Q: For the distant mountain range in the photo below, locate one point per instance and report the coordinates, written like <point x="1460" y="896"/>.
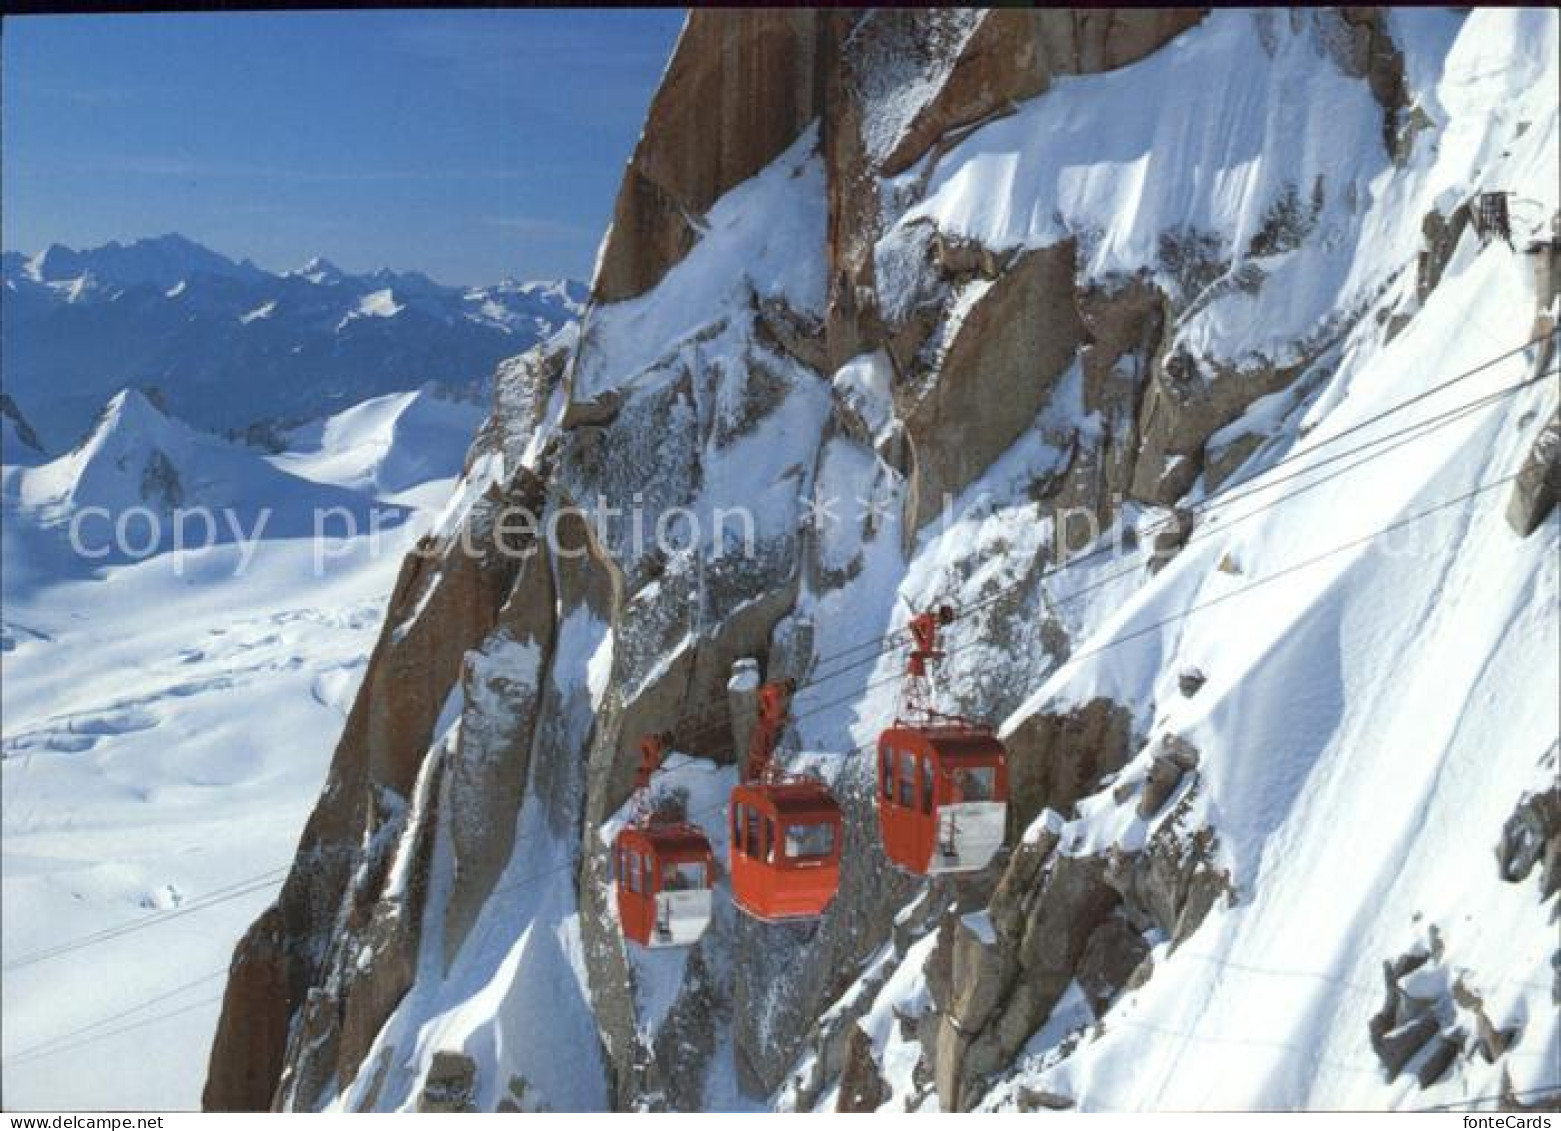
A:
<point x="230" y="345"/>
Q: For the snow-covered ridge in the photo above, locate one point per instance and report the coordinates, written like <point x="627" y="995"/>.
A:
<point x="229" y="344"/>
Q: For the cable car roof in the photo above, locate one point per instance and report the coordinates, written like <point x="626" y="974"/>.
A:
<point x="800" y="797"/>
<point x="951" y="745"/>
<point x="678" y="842"/>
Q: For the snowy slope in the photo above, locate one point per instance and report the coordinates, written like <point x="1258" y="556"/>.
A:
<point x="1092" y="160"/>
<point x="1369" y="726"/>
<point x="153" y="762"/>
<point x="385" y="444"/>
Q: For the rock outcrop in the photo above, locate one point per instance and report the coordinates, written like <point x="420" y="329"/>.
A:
<point x="1538" y="485"/>
<point x="739" y="89"/>
<point x="1532" y="838"/>
<point x="1060" y="757"/>
<point x="1010" y="965"/>
<point x="450" y="1085"/>
<point x="1001" y="367"/>
<point x="861" y="1086"/>
<point x="1432" y="1017"/>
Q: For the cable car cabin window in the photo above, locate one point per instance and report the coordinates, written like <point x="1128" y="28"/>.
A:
<point x="751" y="833"/>
<point x="770" y="841"/>
<point x="689" y="876"/>
<point x="810" y="842"/>
<point x="926" y="785"/>
<point x="976" y="783"/>
<point x="633" y="869"/>
<point x="907" y="778"/>
<point x="886" y="772"/>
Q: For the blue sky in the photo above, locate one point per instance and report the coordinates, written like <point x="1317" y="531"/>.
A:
<point x="467" y="144"/>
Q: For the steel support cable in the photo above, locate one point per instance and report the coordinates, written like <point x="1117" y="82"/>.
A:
<point x="242" y="887"/>
<point x="1409" y="433"/>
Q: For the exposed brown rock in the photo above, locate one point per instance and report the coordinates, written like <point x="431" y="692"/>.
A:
<point x="793" y="334"/>
<point x="1056" y="758"/>
<point x="1126" y="329"/>
<point x="1444" y="1050"/>
<point x="242" y="1073"/>
<point x="1175" y="759"/>
<point x="1190" y="681"/>
<point x="830" y="1038"/>
<point x="1031" y="1100"/>
<point x="379" y="960"/>
<point x="1112" y="956"/>
<point x="1187" y="402"/>
<point x="1173" y="882"/>
<point x="1420" y="1027"/>
<point x="1489" y="1041"/>
<point x="1014" y="54"/>
<point x="1224" y="461"/>
<point x="1545" y="257"/>
<point x="1532" y="836"/>
<point x="451" y="1084"/>
<point x="977" y="68"/>
<point x="1538" y="485"/>
<point x="1002" y="992"/>
<point x="598" y="412"/>
<point x="862" y="1088"/>
<point x="1000" y="369"/>
<point x="1440" y="235"/>
<point x="1397" y="1046"/>
<point x="853" y="221"/>
<point x="1372" y="54"/>
<point x="739" y="89"/>
<point x="1169" y="536"/>
<point x="963" y="260"/>
<point x="521" y="388"/>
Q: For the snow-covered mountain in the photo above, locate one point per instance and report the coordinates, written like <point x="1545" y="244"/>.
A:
<point x="1182" y="353"/>
<point x="168" y="713"/>
<point x="919" y="289"/>
<point x="229" y="345"/>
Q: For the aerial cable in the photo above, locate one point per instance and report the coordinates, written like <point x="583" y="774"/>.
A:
<point x="1114" y="642"/>
<point x="1413" y="431"/>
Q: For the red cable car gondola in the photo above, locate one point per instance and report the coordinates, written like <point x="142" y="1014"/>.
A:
<point x="786" y="831"/>
<point x="942" y="779"/>
<point x="663" y="869"/>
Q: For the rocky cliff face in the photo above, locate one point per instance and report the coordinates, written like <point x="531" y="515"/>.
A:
<point x="935" y="303"/>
